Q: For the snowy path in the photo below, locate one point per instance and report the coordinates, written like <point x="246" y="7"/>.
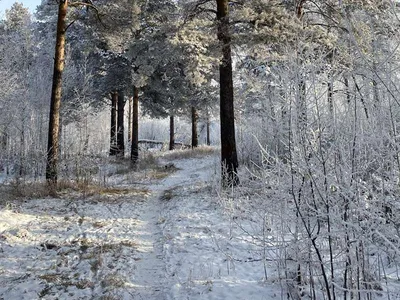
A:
<point x="150" y="280"/>
<point x="169" y="240"/>
<point x="151" y="277"/>
<point x="110" y="244"/>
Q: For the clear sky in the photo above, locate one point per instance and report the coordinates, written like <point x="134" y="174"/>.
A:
<point x="6" y="4"/>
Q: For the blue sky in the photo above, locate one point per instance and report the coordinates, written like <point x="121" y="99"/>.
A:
<point x="6" y="4"/>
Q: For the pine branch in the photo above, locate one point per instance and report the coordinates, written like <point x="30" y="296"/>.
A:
<point x="89" y="5"/>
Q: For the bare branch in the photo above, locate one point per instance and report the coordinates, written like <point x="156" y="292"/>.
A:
<point x="91" y="6"/>
<point x="70" y="24"/>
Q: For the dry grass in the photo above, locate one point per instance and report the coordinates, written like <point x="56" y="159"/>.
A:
<point x="34" y="190"/>
<point x="116" y="195"/>
<point x="99" y="224"/>
<point x="51" y="278"/>
<point x="113" y="281"/>
<point x="93" y="248"/>
<point x="189" y="153"/>
<point x="88" y="249"/>
<point x="169" y="194"/>
<point x="147" y="160"/>
<point x="124" y="191"/>
<point x="129" y="243"/>
<point x="146" y="169"/>
<point x="149" y="170"/>
<point x="159" y="173"/>
<point x="18" y="190"/>
<point x="67" y="188"/>
<point x="63" y="280"/>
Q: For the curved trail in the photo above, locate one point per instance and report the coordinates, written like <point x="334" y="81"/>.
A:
<point x="151" y="279"/>
<point x="112" y="244"/>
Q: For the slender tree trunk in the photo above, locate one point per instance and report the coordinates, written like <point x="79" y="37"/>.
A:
<point x="3" y="148"/>
<point x="54" y="119"/>
<point x="135" y="126"/>
<point x="195" y="138"/>
<point x="130" y="101"/>
<point x="120" y="125"/>
<point x="347" y="89"/>
<point x="113" y="127"/>
<point x="375" y="85"/>
<point x="87" y="136"/>
<point x="208" y="141"/>
<point x="330" y="85"/>
<point x="302" y="106"/>
<point x="229" y="161"/>
<point x="62" y="144"/>
<point x="22" y="152"/>
<point x="330" y="96"/>
<point x="171" y="133"/>
<point x="3" y="143"/>
<point x="302" y="88"/>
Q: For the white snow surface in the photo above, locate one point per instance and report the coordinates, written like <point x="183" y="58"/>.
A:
<point x="169" y="239"/>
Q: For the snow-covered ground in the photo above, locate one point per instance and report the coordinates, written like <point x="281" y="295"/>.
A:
<point x="204" y="258"/>
<point x="166" y="238"/>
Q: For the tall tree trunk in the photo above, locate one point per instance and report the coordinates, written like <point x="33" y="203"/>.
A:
<point x="3" y="147"/>
<point x="302" y="88"/>
<point x="375" y="76"/>
<point x="22" y="154"/>
<point x="54" y="119"/>
<point x="347" y="89"/>
<point x="171" y="133"/>
<point x="86" y="136"/>
<point x="229" y="161"/>
<point x="375" y="85"/>
<point x="208" y="141"/>
<point x="120" y="125"/>
<point x="113" y="127"/>
<point x="330" y="96"/>
<point x="195" y="138"/>
<point x="130" y="101"/>
<point x="135" y="126"/>
<point x="3" y="142"/>
<point x="330" y="58"/>
<point x="62" y="144"/>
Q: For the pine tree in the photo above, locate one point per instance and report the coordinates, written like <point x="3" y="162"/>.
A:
<point x="54" y="118"/>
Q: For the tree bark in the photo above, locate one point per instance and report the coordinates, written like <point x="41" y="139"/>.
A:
<point x="195" y="137"/>
<point x="347" y="89"/>
<point x="113" y="127"/>
<point x="302" y="105"/>
<point x="135" y="126"/>
<point x="130" y="102"/>
<point x="229" y="161"/>
<point x="120" y="125"/>
<point x="208" y="141"/>
<point x="330" y="96"/>
<point x="330" y="83"/>
<point x="171" y="133"/>
<point x="54" y="118"/>
<point x="302" y="88"/>
<point x="3" y="141"/>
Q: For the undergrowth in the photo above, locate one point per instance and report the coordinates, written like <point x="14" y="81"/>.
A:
<point x="200" y="151"/>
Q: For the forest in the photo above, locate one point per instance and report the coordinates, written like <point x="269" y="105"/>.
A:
<point x="200" y="149"/>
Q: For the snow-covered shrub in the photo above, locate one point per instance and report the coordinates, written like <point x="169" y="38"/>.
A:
<point x="320" y="198"/>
